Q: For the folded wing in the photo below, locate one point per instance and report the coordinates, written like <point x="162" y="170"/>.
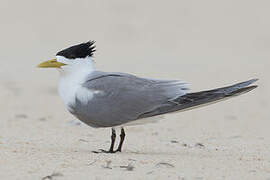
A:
<point x="122" y="98"/>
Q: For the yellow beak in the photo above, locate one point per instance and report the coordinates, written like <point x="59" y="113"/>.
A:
<point x="51" y="64"/>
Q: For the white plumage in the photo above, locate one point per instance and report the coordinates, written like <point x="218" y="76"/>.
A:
<point x="71" y="79"/>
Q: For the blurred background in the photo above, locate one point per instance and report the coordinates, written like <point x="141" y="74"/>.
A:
<point x="193" y="40"/>
<point x="208" y="43"/>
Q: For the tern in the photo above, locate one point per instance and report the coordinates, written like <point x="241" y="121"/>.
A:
<point x="112" y="99"/>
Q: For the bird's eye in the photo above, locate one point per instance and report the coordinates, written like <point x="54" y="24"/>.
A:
<point x="72" y="57"/>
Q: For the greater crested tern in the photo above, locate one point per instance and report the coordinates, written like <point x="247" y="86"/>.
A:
<point x="112" y="99"/>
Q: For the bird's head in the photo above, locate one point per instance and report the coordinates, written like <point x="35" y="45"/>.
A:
<point x="74" y="58"/>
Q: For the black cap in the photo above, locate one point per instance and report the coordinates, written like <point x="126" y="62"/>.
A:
<point x="79" y="51"/>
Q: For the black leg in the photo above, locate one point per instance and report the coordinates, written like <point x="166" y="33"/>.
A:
<point x="113" y="136"/>
<point x="122" y="138"/>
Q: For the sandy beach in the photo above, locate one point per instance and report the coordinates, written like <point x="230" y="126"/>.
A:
<point x="206" y="43"/>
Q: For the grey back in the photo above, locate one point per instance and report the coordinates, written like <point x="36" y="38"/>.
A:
<point x="124" y="98"/>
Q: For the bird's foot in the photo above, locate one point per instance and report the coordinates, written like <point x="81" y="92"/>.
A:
<point x="106" y="151"/>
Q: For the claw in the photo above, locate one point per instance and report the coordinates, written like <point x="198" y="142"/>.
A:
<point x="105" y="151"/>
<point x="113" y="136"/>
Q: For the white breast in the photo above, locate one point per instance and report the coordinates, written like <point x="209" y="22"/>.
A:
<point x="67" y="89"/>
<point x="70" y="84"/>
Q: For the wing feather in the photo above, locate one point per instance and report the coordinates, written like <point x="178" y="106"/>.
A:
<point x="124" y="98"/>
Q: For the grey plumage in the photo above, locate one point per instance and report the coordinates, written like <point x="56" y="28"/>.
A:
<point x="101" y="99"/>
<point x="124" y="98"/>
<point x="198" y="99"/>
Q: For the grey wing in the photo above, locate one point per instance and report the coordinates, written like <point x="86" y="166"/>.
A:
<point x="122" y="98"/>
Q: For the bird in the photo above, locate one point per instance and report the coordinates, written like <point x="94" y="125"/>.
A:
<point x="116" y="100"/>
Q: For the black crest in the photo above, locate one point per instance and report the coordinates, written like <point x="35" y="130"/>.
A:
<point x="79" y="51"/>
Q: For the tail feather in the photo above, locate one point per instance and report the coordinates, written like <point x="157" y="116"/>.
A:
<point x="234" y="87"/>
<point x="202" y="98"/>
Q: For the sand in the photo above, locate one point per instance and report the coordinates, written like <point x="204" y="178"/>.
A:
<point x="206" y="43"/>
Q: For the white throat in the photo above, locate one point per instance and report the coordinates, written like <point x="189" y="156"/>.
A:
<point x="72" y="76"/>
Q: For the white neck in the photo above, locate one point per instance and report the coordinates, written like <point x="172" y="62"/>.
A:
<point x="72" y="76"/>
